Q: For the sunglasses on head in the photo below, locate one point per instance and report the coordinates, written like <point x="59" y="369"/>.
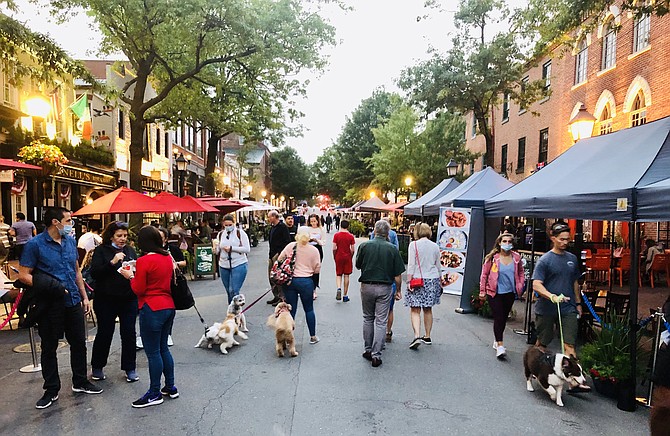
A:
<point x="560" y="228"/>
<point x="121" y="225"/>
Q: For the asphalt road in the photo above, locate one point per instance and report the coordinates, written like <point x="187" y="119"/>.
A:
<point x="455" y="386"/>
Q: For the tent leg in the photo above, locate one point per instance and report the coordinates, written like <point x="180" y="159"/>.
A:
<point x="628" y="403"/>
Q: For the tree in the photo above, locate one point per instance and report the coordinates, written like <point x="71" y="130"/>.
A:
<point x="169" y="43"/>
<point x="323" y="179"/>
<point x="356" y="144"/>
<point x="290" y="174"/>
<point x="475" y="74"/>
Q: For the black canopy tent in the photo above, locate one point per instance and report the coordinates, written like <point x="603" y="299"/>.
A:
<point x="653" y="202"/>
<point x="600" y="178"/>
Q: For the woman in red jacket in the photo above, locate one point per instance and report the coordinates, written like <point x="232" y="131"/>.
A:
<point x="151" y="282"/>
<point x="502" y="277"/>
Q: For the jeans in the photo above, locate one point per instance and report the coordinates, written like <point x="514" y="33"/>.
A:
<point x="375" y="301"/>
<point x="302" y="287"/>
<point x="106" y="310"/>
<point x="51" y="325"/>
<point x="155" y="327"/>
<point x="233" y="279"/>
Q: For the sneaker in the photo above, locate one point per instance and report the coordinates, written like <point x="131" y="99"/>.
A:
<point x="415" y="344"/>
<point x="338" y="296"/>
<point x="376" y="361"/>
<point x="501" y="352"/>
<point x="148" y="399"/>
<point x="314" y="340"/>
<point x="345" y="298"/>
<point x="427" y="340"/>
<point x="97" y="374"/>
<point x="495" y="345"/>
<point x="87" y="388"/>
<point x="389" y="336"/>
<point x="367" y="356"/>
<point x="170" y="343"/>
<point x="138" y="343"/>
<point x="170" y="392"/>
<point x="46" y="401"/>
<point x="131" y="376"/>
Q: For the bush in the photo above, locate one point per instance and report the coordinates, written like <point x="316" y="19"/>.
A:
<point x="357" y="228"/>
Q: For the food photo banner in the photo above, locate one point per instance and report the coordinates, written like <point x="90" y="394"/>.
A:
<point x="453" y="234"/>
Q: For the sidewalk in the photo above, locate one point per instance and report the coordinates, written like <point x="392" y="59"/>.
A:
<point x="455" y="386"/>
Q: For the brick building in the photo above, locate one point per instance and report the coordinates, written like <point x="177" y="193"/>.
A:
<point x="620" y="71"/>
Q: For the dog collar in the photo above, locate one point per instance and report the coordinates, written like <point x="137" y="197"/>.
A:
<point x="283" y="309"/>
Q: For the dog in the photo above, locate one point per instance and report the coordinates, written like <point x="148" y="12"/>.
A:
<point x="235" y="307"/>
<point x="282" y="322"/>
<point x="552" y="371"/>
<point x="222" y="334"/>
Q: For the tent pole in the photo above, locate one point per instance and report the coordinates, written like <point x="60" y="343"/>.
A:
<point x="609" y="273"/>
<point x="529" y="290"/>
<point x="629" y="403"/>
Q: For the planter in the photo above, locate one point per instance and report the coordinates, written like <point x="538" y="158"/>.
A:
<point x="606" y="387"/>
<point x="626" y="396"/>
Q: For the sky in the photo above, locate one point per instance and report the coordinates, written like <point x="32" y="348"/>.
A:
<point x="376" y="41"/>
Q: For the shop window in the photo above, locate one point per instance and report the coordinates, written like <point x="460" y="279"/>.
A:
<point x="641" y="32"/>
<point x="638" y="115"/>
<point x="580" y="61"/>
<point x="609" y="47"/>
<point x="178" y="138"/>
<point x="503" y="159"/>
<point x="473" y="133"/>
<point x="121" y="126"/>
<point x="605" y="121"/>
<point x="505" y="107"/>
<point x="544" y="146"/>
<point x="521" y="155"/>
<point x="546" y="75"/>
<point x="158" y="142"/>
<point x="8" y="91"/>
<point x="167" y="144"/>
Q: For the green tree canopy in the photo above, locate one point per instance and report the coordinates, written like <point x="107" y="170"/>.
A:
<point x="323" y="175"/>
<point x="290" y="174"/>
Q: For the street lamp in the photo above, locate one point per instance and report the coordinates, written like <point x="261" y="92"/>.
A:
<point x="264" y="194"/>
<point x="373" y="194"/>
<point x="226" y="181"/>
<point x="581" y="125"/>
<point x="282" y="200"/>
<point x="408" y="183"/>
<point x="35" y="107"/>
<point x="452" y="168"/>
<point x="182" y="163"/>
<point x="249" y="190"/>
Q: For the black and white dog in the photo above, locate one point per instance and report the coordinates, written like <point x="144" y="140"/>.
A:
<point x="235" y="308"/>
<point x="552" y="371"/>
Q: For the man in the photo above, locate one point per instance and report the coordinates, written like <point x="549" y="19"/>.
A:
<point x="54" y="253"/>
<point x="343" y="251"/>
<point x="292" y="227"/>
<point x="393" y="239"/>
<point x="91" y="239"/>
<point x="279" y="238"/>
<point x="381" y="266"/>
<point x="555" y="281"/>
<point x="22" y="231"/>
<point x="4" y="238"/>
<point x="337" y="220"/>
<point x="329" y="222"/>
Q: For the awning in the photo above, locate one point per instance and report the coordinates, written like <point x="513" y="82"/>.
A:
<point x="653" y="202"/>
<point x="375" y="204"/>
<point x="416" y="207"/>
<point x="395" y="207"/>
<point x="9" y="164"/>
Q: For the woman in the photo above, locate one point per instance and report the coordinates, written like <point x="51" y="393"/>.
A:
<point x="232" y="246"/>
<point x="307" y="265"/>
<point x="423" y="262"/>
<point x="151" y="283"/>
<point x="317" y="238"/>
<point x="113" y="298"/>
<point x="502" y="277"/>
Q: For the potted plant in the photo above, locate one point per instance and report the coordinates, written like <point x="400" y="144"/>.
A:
<point x="607" y="357"/>
<point x="481" y="306"/>
<point x="49" y="157"/>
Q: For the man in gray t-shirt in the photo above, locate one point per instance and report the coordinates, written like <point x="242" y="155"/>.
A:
<point x="22" y="231"/>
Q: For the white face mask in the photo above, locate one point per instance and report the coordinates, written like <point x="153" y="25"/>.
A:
<point x="230" y="228"/>
<point x="506" y="247"/>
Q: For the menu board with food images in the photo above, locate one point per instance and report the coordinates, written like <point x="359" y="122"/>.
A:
<point x="453" y="232"/>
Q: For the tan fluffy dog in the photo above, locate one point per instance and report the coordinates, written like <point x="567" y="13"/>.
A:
<point x="282" y="322"/>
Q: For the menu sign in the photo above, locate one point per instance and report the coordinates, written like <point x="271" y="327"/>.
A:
<point x="453" y="234"/>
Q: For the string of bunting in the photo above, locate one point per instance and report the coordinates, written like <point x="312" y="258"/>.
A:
<point x="12" y="312"/>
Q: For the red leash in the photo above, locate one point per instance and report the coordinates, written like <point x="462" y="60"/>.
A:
<point x="256" y="301"/>
<point x="13" y="311"/>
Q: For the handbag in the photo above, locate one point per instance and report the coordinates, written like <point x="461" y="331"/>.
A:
<point x="416" y="282"/>
<point x="282" y="269"/>
<point x="181" y="294"/>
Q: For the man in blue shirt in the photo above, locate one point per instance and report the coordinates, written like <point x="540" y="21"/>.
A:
<point x="54" y="252"/>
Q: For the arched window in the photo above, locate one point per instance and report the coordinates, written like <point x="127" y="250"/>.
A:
<point x="641" y="30"/>
<point x="609" y="46"/>
<point x="638" y="113"/>
<point x="581" y="61"/>
<point x="605" y="121"/>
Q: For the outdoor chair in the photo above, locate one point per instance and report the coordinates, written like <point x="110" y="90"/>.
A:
<point x="603" y="251"/>
<point x="660" y="265"/>
<point x="599" y="268"/>
<point x="617" y="304"/>
<point x="624" y="267"/>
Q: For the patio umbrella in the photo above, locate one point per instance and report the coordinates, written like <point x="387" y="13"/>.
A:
<point x="172" y="203"/>
<point x="197" y="203"/>
<point x="9" y="164"/>
<point x="223" y="205"/>
<point x="122" y="200"/>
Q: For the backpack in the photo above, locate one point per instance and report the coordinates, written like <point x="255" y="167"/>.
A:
<point x="89" y="282"/>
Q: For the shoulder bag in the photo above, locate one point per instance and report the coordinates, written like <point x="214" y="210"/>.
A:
<point x="416" y="283"/>
<point x="282" y="270"/>
<point x="181" y="294"/>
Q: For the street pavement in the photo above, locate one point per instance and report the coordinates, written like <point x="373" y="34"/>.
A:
<point x="455" y="386"/>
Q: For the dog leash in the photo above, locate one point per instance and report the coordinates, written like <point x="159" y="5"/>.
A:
<point x="557" y="299"/>
<point x="255" y="301"/>
<point x="201" y="319"/>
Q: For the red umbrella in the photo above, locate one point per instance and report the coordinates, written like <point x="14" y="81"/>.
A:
<point x="172" y="203"/>
<point x="122" y="200"/>
<point x="224" y="205"/>
<point x="207" y="207"/>
<point x="8" y="164"/>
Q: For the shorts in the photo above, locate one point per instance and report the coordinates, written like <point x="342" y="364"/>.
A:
<point x="344" y="266"/>
<point x="545" y="325"/>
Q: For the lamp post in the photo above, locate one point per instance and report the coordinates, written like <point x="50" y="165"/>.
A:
<point x="249" y="190"/>
<point x="272" y="199"/>
<point x="452" y="168"/>
<point x="182" y="163"/>
<point x="37" y="107"/>
<point x="282" y="200"/>
<point x="581" y="125"/>
<point x="373" y="194"/>
<point x="408" y="184"/>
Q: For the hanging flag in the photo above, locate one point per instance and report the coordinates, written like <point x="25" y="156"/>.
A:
<point x="82" y="111"/>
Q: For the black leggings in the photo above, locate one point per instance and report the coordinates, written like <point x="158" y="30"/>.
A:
<point x="501" y="305"/>
<point x="316" y="276"/>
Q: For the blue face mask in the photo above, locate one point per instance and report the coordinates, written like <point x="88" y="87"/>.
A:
<point x="66" y="230"/>
<point x="506" y="247"/>
<point x="115" y="246"/>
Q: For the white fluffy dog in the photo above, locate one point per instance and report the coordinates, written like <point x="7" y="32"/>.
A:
<point x="222" y="334"/>
<point x="235" y="308"/>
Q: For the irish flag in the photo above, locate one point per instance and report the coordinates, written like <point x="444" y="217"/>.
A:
<point x="81" y="110"/>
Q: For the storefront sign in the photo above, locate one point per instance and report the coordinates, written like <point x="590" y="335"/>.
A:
<point x="526" y="257"/>
<point x="7" y="176"/>
<point x="453" y="234"/>
<point x="87" y="177"/>
<point x="204" y="260"/>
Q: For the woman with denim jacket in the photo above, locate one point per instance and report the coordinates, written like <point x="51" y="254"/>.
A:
<point x="502" y="277"/>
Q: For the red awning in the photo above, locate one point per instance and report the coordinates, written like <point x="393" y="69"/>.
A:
<point x="172" y="203"/>
<point x="9" y="164"/>
<point x="224" y="205"/>
<point x="122" y="200"/>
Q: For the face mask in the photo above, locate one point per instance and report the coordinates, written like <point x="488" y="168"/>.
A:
<point x="506" y="247"/>
<point x="66" y="230"/>
<point x="230" y="228"/>
<point x="116" y="246"/>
